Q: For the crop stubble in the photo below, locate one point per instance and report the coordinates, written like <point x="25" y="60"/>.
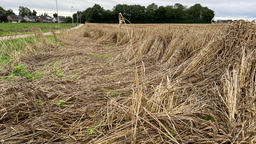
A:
<point x="166" y="83"/>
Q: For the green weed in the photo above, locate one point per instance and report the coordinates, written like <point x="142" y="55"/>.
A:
<point x="38" y="75"/>
<point x="209" y="118"/>
<point x="90" y="131"/>
<point x="173" y="133"/>
<point x="128" y="93"/>
<point x="105" y="90"/>
<point x="21" y="71"/>
<point x="40" y="102"/>
<point x="62" y="75"/>
<point x="117" y="93"/>
<point x="61" y="104"/>
<point x="74" y="77"/>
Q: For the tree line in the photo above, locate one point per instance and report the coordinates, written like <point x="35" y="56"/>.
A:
<point x="6" y="12"/>
<point x="23" y="11"/>
<point x="153" y="13"/>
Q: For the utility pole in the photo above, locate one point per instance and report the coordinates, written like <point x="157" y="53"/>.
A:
<point x="57" y="13"/>
<point x="80" y="17"/>
<point x="77" y="17"/>
<point x="72" y="16"/>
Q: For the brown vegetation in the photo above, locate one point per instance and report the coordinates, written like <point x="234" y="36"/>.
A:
<point x="143" y="84"/>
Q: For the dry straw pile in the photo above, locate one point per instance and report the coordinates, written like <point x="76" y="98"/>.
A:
<point x="207" y="89"/>
<point x="188" y="84"/>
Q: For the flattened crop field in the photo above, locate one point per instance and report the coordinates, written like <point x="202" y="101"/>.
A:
<point x="135" y="83"/>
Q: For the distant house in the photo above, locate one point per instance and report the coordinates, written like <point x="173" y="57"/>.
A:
<point x="31" y="18"/>
<point x="224" y="21"/>
<point x="229" y="21"/>
<point x="61" y="19"/>
<point x="46" y="19"/>
<point x="14" y="18"/>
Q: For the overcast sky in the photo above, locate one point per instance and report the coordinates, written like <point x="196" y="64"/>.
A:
<point x="224" y="9"/>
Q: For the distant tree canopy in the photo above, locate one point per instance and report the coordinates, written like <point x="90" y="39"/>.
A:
<point x="46" y="14"/>
<point x="153" y="13"/>
<point x="34" y="13"/>
<point x="2" y="11"/>
<point x="9" y="12"/>
<point x="55" y="15"/>
<point x="68" y="19"/>
<point x="24" y="11"/>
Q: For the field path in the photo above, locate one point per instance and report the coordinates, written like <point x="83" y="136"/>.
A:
<point x="29" y="35"/>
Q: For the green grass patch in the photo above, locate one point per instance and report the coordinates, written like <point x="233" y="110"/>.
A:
<point x="52" y="39"/>
<point x="26" y="28"/>
<point x="7" y="47"/>
<point x="21" y="71"/>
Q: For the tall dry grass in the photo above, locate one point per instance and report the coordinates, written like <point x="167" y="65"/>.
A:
<point x="207" y="88"/>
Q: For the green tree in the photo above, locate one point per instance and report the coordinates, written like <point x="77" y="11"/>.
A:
<point x="55" y="15"/>
<point x="208" y="14"/>
<point x="2" y="11"/>
<point x="123" y="9"/>
<point x="68" y="19"/>
<point x="179" y="11"/>
<point x="134" y="13"/>
<point x="199" y="13"/>
<point x="24" y="11"/>
<point x="141" y="14"/>
<point x="137" y="13"/>
<point x="195" y="12"/>
<point x="85" y="14"/>
<point x="46" y="14"/>
<point x="9" y="12"/>
<point x="34" y="13"/>
<point x="96" y="14"/>
<point x="109" y="17"/>
<point x="75" y="17"/>
<point x="150" y="11"/>
<point x="160" y="14"/>
<point x="169" y="12"/>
